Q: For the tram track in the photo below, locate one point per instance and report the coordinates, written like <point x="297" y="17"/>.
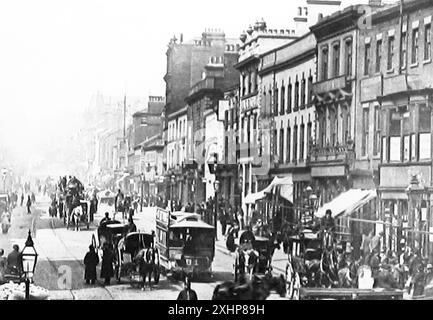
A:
<point x="77" y="261"/>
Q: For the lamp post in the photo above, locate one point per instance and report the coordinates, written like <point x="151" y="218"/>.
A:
<point x="29" y="259"/>
<point x="173" y="181"/>
<point x="142" y="191"/>
<point x="216" y="187"/>
<point x="414" y="193"/>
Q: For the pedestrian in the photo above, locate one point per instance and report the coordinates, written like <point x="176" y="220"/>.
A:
<point x="5" y="222"/>
<point x="91" y="260"/>
<point x="223" y="221"/>
<point x="187" y="293"/>
<point x="22" y="199"/>
<point x="131" y="225"/>
<point x="240" y="214"/>
<point x="33" y="197"/>
<point x="375" y="243"/>
<point x="365" y="246"/>
<point x="418" y="281"/>
<point x="107" y="264"/>
<point x="105" y="219"/>
<point x="429" y="274"/>
<point x="29" y="204"/>
<point x="3" y="265"/>
<point x="14" y="260"/>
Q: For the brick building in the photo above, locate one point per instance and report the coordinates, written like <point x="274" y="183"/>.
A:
<point x="395" y="65"/>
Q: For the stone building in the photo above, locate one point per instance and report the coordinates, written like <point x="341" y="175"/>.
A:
<point x="286" y="89"/>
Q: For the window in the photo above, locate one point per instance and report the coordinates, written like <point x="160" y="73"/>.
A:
<point x="281" y="151"/>
<point x="403" y="50"/>
<point x="309" y="128"/>
<point x="296" y="95"/>
<point x="413" y="149"/>
<point x="325" y="63"/>
<point x="378" y="54"/>
<point x="289" y="98"/>
<point x="256" y="80"/>
<point x="384" y="150"/>
<point x="367" y="58"/>
<point x="274" y="149"/>
<point x="427" y="42"/>
<point x="276" y="101"/>
<point x="415" y="36"/>
<point x="348" y="57"/>
<point x="336" y="57"/>
<point x="376" y="139"/>
<point x="390" y="52"/>
<point x="295" y="143"/>
<point x="288" y="141"/>
<point x="303" y="91"/>
<point x="244" y="85"/>
<point x="406" y="148"/>
<point x="310" y="89"/>
<point x="322" y="128"/>
<point x="250" y="85"/>
<point x="365" y="123"/>
<point x="301" y="142"/>
<point x="283" y="99"/>
<point x="395" y="138"/>
<point x="226" y="119"/>
<point x="265" y="102"/>
<point x="425" y="132"/>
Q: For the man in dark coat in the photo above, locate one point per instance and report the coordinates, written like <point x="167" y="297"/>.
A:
<point x="107" y="265"/>
<point x="91" y="260"/>
<point x="22" y="199"/>
<point x="105" y="219"/>
<point x="187" y="293"/>
<point x="14" y="260"/>
<point x="385" y="279"/>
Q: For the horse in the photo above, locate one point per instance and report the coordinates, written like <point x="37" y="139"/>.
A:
<point x="146" y="262"/>
<point x="328" y="275"/>
<point x="258" y="288"/>
<point x="76" y="216"/>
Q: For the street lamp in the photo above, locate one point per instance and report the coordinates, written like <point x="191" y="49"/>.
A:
<point x="29" y="258"/>
<point x="216" y="185"/>
<point x="173" y="181"/>
<point x="142" y="190"/>
<point x="414" y="193"/>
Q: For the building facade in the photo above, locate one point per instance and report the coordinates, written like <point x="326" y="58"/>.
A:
<point x="395" y="63"/>
<point x="286" y="88"/>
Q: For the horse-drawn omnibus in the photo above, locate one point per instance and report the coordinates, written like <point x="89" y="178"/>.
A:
<point x="137" y="258"/>
<point x="186" y="244"/>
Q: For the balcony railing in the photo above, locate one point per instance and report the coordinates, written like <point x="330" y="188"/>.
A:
<point x="330" y="84"/>
<point x="208" y="83"/>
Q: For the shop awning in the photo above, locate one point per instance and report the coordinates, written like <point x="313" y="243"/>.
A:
<point x="286" y="190"/>
<point x="347" y="202"/>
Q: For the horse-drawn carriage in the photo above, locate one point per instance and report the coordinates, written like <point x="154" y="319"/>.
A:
<point x="135" y="255"/>
<point x="137" y="258"/>
<point x="253" y="258"/>
<point x="312" y="261"/>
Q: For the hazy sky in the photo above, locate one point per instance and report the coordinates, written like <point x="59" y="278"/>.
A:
<point x="55" y="54"/>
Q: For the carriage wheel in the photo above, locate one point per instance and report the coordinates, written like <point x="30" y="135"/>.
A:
<point x="118" y="266"/>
